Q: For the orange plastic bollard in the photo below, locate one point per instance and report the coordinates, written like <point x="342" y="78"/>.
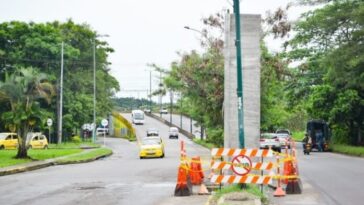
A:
<point x="287" y="170"/>
<point x="195" y="172"/>
<point x="182" y="187"/>
<point x="279" y="191"/>
<point x="199" y="167"/>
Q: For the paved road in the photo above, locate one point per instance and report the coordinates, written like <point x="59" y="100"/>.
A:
<point x="119" y="179"/>
<point x="186" y="123"/>
<point x="328" y="178"/>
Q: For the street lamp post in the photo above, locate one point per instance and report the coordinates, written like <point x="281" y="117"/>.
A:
<point x="60" y="118"/>
<point x="239" y="75"/>
<point x="94" y="100"/>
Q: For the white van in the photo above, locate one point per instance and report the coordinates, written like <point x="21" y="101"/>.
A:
<point x="137" y="117"/>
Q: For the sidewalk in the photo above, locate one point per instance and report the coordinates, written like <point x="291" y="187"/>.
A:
<point x="41" y="164"/>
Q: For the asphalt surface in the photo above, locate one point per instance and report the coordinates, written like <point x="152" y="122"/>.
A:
<point x="186" y="123"/>
<point x="328" y="178"/>
<point x="119" y="179"/>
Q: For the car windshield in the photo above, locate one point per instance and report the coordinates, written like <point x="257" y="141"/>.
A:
<point x="151" y="142"/>
<point x="282" y="135"/>
<point x="282" y="131"/>
<point x="173" y="129"/>
<point x="138" y="116"/>
<point x="3" y="136"/>
<point x="268" y="136"/>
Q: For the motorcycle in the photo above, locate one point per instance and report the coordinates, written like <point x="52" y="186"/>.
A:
<point x="307" y="148"/>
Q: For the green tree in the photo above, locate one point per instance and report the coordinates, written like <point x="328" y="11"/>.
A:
<point x="38" y="45"/>
<point x="22" y="92"/>
<point x="330" y="42"/>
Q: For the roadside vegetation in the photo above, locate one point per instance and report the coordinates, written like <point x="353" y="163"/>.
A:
<point x="30" y="72"/>
<point x="204" y="143"/>
<point x="92" y="151"/>
<point x="318" y="74"/>
<point x="86" y="156"/>
<point x="348" y="150"/>
<point x="74" y="145"/>
<point x="252" y="189"/>
<point x="8" y="156"/>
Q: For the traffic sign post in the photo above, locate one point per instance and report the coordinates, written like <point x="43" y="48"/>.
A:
<point x="49" y="124"/>
<point x="242" y="165"/>
<point x="104" y="123"/>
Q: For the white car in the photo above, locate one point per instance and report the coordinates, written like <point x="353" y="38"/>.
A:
<point x="173" y="132"/>
<point x="284" y="139"/>
<point x="270" y="140"/>
<point x="164" y="111"/>
<point x="102" y="131"/>
<point x="152" y="132"/>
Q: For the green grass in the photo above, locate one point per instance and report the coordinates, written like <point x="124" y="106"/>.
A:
<point x="252" y="189"/>
<point x="73" y="145"/>
<point x="131" y="138"/>
<point x="92" y="154"/>
<point x="7" y="156"/>
<point x="204" y="143"/>
<point x="298" y="135"/>
<point x="347" y="149"/>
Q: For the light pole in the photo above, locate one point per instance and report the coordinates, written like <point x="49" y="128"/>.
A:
<point x="60" y="117"/>
<point x="180" y="110"/>
<point x="94" y="100"/>
<point x="239" y="74"/>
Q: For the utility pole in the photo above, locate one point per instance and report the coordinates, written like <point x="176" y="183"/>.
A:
<point x="171" y="105"/>
<point x="239" y="74"/>
<point x="160" y="94"/>
<point x="94" y="100"/>
<point x="150" y="91"/>
<point x="180" y="110"/>
<point x="60" y="117"/>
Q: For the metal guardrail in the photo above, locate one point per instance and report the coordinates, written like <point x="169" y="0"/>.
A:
<point x="184" y="132"/>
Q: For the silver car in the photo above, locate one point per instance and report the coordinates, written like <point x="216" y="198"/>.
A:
<point x="270" y="140"/>
<point x="173" y="132"/>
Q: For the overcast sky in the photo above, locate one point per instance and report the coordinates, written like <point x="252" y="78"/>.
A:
<point x="141" y="31"/>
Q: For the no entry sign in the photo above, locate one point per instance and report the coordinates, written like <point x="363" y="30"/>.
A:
<point x="241" y="165"/>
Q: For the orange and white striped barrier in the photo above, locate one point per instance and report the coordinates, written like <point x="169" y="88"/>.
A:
<point x="248" y="179"/>
<point x="219" y="152"/>
<point x="255" y="165"/>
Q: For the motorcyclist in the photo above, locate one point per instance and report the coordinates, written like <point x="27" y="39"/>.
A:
<point x="307" y="140"/>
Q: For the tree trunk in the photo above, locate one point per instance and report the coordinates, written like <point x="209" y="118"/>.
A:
<point x="22" y="134"/>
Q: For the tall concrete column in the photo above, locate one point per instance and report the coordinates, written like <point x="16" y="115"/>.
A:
<point x="250" y="42"/>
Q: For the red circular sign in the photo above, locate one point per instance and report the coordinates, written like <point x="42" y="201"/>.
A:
<point x="244" y="167"/>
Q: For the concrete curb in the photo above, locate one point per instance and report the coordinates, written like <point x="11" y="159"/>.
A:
<point x="30" y="166"/>
<point x="25" y="167"/>
<point x="184" y="132"/>
<point x="82" y="161"/>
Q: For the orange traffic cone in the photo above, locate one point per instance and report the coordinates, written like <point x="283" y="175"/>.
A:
<point x="182" y="187"/>
<point x="279" y="191"/>
<point x="294" y="186"/>
<point x="195" y="173"/>
<point x="287" y="170"/>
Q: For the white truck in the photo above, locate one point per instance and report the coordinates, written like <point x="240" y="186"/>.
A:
<point x="137" y="117"/>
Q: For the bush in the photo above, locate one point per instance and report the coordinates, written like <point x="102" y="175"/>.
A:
<point x="215" y="136"/>
<point x="76" y="139"/>
<point x="340" y="135"/>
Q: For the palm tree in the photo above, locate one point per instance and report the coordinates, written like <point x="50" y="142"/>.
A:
<point x="22" y="92"/>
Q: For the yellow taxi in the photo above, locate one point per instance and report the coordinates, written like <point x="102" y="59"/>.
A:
<point x="151" y="147"/>
<point x="37" y="140"/>
<point x="8" y="140"/>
